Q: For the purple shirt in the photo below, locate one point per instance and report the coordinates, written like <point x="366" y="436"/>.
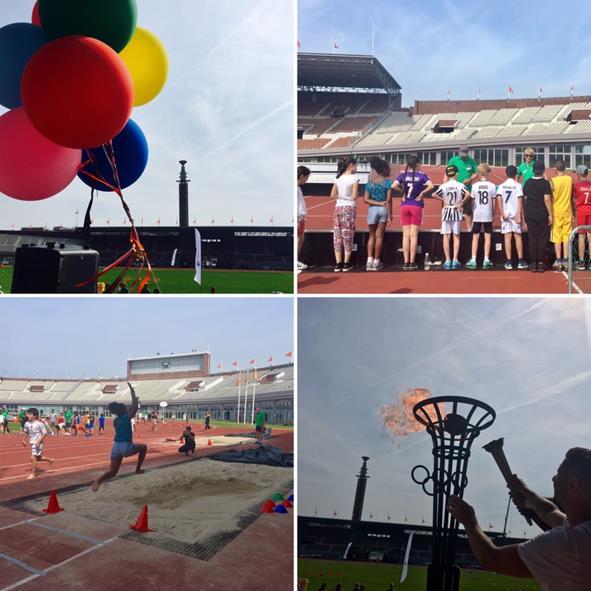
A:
<point x="412" y="189"/>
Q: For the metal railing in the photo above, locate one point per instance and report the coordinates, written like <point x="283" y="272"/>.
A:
<point x="574" y="233"/>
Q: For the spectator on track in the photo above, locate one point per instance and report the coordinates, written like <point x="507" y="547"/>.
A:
<point x="188" y="441"/>
<point x="123" y="445"/>
<point x="378" y="195"/>
<point x="208" y="421"/>
<point x="37" y="432"/>
<point x="345" y="190"/>
<point x="101" y="430"/>
<point x="303" y="174"/>
<point x="582" y="198"/>
<point x="483" y="194"/>
<point x="559" y="559"/>
<point x="538" y="215"/>
<point x="526" y="168"/>
<point x="415" y="186"/>
<point x="510" y="200"/>
<point x="453" y="194"/>
<point x="68" y="418"/>
<point x="2" y="423"/>
<point x="467" y="174"/>
<point x="259" y="422"/>
<point x="562" y="214"/>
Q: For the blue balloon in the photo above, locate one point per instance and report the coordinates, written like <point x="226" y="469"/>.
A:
<point x="18" y="43"/>
<point x="131" y="157"/>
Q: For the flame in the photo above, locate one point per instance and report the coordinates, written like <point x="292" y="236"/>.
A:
<point x="398" y="419"/>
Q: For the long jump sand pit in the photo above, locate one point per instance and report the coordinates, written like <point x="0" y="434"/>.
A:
<point x="190" y="503"/>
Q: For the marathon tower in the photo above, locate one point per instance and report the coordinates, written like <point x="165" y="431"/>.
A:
<point x="183" y="196"/>
<point x="360" y="492"/>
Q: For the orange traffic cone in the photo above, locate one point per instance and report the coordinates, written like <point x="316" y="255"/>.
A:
<point x="53" y="506"/>
<point x="209" y="443"/>
<point x="142" y="521"/>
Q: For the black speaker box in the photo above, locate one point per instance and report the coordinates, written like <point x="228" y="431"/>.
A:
<point x="52" y="270"/>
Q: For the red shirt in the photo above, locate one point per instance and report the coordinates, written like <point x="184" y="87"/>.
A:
<point x="582" y="193"/>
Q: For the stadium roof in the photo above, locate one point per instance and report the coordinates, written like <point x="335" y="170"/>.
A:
<point x="329" y="71"/>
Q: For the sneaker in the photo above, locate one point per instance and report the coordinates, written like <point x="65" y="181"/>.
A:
<point x="541" y="267"/>
<point x="565" y="264"/>
<point x="347" y="267"/>
<point x="487" y="264"/>
<point x="301" y="266"/>
<point x="406" y="267"/>
<point x="378" y="266"/>
<point x="447" y="265"/>
<point x="471" y="264"/>
<point x="509" y="266"/>
<point x="369" y="265"/>
<point x="456" y="265"/>
<point x="557" y="266"/>
<point x="521" y="264"/>
<point x="338" y="267"/>
<point x="412" y="266"/>
<point x="580" y="266"/>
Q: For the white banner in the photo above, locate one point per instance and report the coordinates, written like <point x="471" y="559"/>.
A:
<point x="173" y="261"/>
<point x="197" y="256"/>
<point x="406" y="557"/>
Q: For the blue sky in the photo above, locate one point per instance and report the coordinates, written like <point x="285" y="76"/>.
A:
<point x="527" y="358"/>
<point x="227" y="108"/>
<point x="91" y="337"/>
<point x="432" y="46"/>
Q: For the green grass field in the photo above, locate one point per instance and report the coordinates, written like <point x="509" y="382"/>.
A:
<point x="377" y="577"/>
<point x="173" y="281"/>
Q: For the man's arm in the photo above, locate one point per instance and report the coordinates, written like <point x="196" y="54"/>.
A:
<point x="132" y="410"/>
<point x="505" y="561"/>
<point x="525" y="498"/>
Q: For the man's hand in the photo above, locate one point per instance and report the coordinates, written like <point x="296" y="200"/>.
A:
<point x="24" y="444"/>
<point x="463" y="512"/>
<point x="519" y="492"/>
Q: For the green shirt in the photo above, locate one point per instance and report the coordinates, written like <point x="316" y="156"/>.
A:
<point x="68" y="416"/>
<point x="466" y="168"/>
<point x="259" y="419"/>
<point x="526" y="171"/>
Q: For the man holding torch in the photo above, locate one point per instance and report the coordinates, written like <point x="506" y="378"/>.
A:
<point x="560" y="558"/>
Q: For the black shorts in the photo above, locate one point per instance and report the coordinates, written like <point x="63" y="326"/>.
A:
<point x="467" y="206"/>
<point x="259" y="429"/>
<point x="485" y="227"/>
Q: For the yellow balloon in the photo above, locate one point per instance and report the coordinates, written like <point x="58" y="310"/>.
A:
<point x="147" y="63"/>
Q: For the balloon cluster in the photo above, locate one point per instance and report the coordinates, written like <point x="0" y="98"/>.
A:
<point x="71" y="79"/>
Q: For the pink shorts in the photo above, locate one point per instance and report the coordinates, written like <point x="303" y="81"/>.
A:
<point x="583" y="219"/>
<point x="411" y="215"/>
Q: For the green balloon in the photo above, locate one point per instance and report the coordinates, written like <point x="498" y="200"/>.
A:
<point x="111" y="21"/>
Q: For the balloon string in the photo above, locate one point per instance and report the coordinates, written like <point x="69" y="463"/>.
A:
<point x="137" y="248"/>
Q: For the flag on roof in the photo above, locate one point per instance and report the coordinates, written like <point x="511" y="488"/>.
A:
<point x="289" y="354"/>
<point x="252" y="362"/>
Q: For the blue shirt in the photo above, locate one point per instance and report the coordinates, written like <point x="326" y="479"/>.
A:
<point x="123" y="429"/>
<point x="378" y="191"/>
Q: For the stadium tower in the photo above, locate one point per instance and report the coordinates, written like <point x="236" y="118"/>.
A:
<point x="183" y="196"/>
<point x="360" y="492"/>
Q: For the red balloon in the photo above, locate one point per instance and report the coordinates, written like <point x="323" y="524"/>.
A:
<point x="35" y="18"/>
<point x="77" y="92"/>
<point x="32" y="167"/>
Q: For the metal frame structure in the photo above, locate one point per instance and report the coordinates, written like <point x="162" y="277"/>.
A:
<point x="453" y="422"/>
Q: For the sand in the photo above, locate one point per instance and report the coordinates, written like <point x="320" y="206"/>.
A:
<point x="187" y="502"/>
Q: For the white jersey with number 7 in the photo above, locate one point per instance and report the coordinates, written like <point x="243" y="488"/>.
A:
<point x="510" y="192"/>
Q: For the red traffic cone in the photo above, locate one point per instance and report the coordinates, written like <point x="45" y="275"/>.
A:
<point x="209" y="443"/>
<point x="287" y="504"/>
<point x="267" y="508"/>
<point x="142" y="521"/>
<point x="53" y="506"/>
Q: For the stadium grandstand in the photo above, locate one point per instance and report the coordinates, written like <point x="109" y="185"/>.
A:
<point x="182" y="381"/>
<point x="350" y="104"/>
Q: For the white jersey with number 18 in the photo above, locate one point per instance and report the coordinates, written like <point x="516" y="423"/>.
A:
<point x="483" y="193"/>
<point x="510" y="192"/>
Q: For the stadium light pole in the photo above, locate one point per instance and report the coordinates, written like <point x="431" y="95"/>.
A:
<point x="453" y="422"/>
<point x="183" y="196"/>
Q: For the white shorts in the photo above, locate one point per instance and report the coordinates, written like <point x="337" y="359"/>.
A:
<point x="37" y="449"/>
<point x="510" y="225"/>
<point x="451" y="227"/>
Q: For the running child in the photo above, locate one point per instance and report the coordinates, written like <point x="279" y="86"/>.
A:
<point x="37" y="433"/>
<point x="101" y="430"/>
<point x="123" y="445"/>
<point x="378" y="195"/>
<point x="188" y="440"/>
<point x="415" y="186"/>
<point x="483" y="207"/>
<point x="345" y="190"/>
<point x="562" y="214"/>
<point x="510" y="200"/>
<point x="453" y="194"/>
<point x="582" y="198"/>
<point x="303" y="173"/>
